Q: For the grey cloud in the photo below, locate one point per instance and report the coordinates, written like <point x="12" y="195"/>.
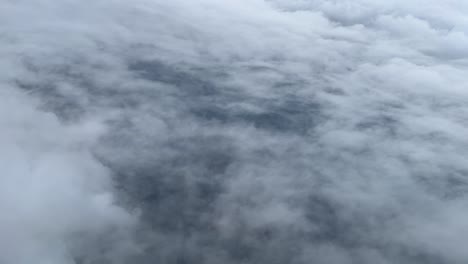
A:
<point x="311" y="131"/>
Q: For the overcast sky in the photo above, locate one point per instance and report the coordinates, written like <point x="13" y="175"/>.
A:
<point x="233" y="131"/>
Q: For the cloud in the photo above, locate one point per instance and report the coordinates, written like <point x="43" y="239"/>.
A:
<point x="52" y="189"/>
<point x="242" y="131"/>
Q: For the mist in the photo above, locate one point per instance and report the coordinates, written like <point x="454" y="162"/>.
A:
<point x="233" y="131"/>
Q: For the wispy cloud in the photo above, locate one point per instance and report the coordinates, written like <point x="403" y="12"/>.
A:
<point x="233" y="131"/>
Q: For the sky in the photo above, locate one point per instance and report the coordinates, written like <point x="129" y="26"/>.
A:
<point x="233" y="131"/>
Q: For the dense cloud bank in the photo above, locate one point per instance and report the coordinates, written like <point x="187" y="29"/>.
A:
<point x="217" y="132"/>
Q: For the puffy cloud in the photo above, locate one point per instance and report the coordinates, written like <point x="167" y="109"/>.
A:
<point x="243" y="131"/>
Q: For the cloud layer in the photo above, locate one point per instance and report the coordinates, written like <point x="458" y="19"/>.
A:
<point x="203" y="131"/>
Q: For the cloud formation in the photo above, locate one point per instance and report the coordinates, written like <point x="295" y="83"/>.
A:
<point x="203" y="131"/>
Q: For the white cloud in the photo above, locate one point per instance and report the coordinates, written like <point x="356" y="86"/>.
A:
<point x="245" y="131"/>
